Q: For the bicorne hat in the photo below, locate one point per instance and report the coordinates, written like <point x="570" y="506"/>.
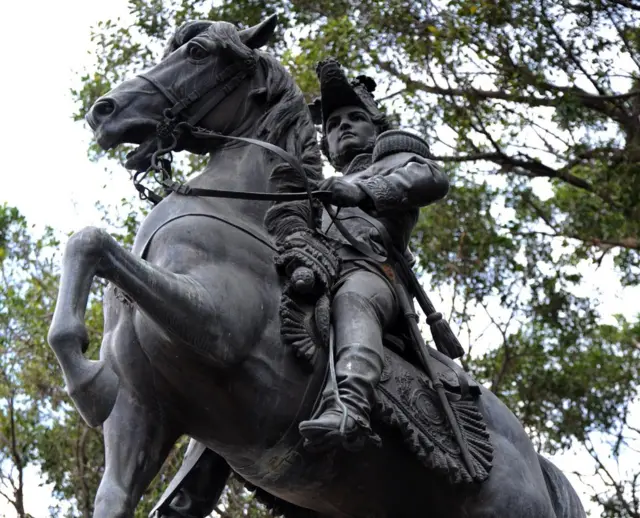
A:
<point x="337" y="92"/>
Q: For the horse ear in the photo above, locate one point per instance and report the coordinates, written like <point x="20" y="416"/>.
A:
<point x="258" y="35"/>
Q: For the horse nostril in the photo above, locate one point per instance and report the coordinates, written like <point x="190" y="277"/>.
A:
<point x="104" y="107"/>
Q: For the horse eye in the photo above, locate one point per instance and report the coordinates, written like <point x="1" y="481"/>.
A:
<point x="197" y="52"/>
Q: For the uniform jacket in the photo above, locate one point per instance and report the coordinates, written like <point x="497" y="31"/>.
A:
<point x="398" y="178"/>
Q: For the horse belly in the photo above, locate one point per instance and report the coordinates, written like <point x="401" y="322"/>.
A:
<point x="389" y="482"/>
<point x="121" y="345"/>
<point x="375" y="483"/>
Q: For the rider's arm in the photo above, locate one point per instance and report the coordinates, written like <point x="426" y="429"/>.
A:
<point x="409" y="181"/>
<point x="285" y="218"/>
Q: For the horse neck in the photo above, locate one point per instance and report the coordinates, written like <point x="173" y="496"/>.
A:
<point x="238" y="166"/>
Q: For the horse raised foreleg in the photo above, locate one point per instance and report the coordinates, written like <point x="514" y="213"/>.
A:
<point x="137" y="441"/>
<point x="92" y="385"/>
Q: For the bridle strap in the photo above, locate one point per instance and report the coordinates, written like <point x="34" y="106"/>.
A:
<point x="231" y="78"/>
<point x="161" y="88"/>
<point x="225" y="83"/>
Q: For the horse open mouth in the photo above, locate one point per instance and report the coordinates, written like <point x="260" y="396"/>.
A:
<point x="141" y="132"/>
<point x="139" y="159"/>
<point x="111" y="135"/>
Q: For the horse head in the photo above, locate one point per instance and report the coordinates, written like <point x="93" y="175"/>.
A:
<point x="205" y="78"/>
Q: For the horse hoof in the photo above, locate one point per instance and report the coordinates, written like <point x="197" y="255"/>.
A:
<point x="95" y="393"/>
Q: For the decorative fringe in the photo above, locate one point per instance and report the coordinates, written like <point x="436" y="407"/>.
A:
<point x="406" y="401"/>
<point x="436" y="448"/>
<point x="304" y="328"/>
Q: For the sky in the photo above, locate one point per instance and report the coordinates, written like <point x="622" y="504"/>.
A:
<point x="47" y="175"/>
<point x="45" y="171"/>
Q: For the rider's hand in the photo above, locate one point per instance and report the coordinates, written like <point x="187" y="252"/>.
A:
<point x="343" y="193"/>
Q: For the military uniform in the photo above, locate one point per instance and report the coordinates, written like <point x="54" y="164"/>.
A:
<point x="398" y="178"/>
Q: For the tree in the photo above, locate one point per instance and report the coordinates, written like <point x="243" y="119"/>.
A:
<point x="534" y="109"/>
<point x="37" y="426"/>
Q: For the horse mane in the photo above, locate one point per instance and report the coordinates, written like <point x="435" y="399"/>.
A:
<point x="286" y="123"/>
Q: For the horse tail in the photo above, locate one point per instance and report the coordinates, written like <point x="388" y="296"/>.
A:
<point x="564" y="498"/>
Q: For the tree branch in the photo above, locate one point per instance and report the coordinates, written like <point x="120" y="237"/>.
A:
<point x="17" y="459"/>
<point x="625" y="41"/>
<point x="391" y="96"/>
<point x="532" y="168"/>
<point x="596" y="102"/>
<point x="473" y="93"/>
<point x="631" y="243"/>
<point x="568" y="50"/>
<point x="611" y="480"/>
<point x="627" y="3"/>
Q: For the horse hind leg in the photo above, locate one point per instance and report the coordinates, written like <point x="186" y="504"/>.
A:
<point x="137" y="441"/>
<point x="564" y="498"/>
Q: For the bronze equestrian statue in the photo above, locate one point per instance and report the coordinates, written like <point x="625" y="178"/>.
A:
<point x="195" y="341"/>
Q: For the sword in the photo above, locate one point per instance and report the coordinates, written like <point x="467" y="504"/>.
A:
<point x="425" y="358"/>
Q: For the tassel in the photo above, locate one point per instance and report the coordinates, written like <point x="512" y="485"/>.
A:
<point x="446" y="342"/>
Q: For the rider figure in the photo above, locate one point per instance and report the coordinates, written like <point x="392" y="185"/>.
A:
<point x="387" y="176"/>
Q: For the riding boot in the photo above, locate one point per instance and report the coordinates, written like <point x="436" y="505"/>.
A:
<point x="358" y="370"/>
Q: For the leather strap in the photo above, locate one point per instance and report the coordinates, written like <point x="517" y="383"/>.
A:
<point x="232" y="222"/>
<point x="231" y="77"/>
<point x="248" y="195"/>
<point x="180" y="188"/>
<point x="160" y="87"/>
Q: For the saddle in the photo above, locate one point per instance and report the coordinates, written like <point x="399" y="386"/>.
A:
<point x="405" y="398"/>
<point x="406" y="401"/>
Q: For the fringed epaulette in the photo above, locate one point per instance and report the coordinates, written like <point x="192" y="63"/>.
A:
<point x="399" y="141"/>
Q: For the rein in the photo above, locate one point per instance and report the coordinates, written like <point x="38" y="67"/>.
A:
<point x="170" y="129"/>
<point x="162" y="165"/>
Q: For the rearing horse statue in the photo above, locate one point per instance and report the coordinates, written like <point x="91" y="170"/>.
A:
<point x="192" y="342"/>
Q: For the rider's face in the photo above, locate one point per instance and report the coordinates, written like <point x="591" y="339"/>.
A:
<point x="349" y="131"/>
